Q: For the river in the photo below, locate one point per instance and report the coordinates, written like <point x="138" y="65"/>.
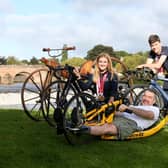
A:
<point x="10" y="96"/>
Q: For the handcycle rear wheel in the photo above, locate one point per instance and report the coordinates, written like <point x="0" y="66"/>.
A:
<point x="54" y="98"/>
<point x="31" y="93"/>
<point x="132" y="93"/>
<point x="79" y="104"/>
<point x="159" y="100"/>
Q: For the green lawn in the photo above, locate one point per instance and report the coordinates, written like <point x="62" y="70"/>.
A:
<point x="28" y="144"/>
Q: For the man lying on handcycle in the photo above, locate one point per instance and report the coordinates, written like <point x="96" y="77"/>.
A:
<point x="124" y="124"/>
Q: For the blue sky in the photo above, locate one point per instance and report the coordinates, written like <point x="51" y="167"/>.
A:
<point x="26" y="26"/>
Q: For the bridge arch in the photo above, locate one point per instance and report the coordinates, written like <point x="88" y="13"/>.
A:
<point x="20" y="77"/>
<point x="13" y="73"/>
<point x="7" y="78"/>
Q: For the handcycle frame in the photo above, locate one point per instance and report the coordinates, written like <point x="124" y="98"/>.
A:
<point x="100" y="111"/>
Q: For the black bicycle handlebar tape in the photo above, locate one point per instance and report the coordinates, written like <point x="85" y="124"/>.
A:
<point x="66" y="48"/>
<point x="46" y="49"/>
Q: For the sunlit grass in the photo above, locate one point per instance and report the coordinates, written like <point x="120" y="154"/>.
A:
<point x="28" y="144"/>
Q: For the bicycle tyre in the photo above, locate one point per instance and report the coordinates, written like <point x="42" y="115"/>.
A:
<point x="78" y="102"/>
<point x="53" y="98"/>
<point x="31" y="93"/>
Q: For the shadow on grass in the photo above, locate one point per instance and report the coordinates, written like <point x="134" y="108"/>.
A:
<point x="29" y="144"/>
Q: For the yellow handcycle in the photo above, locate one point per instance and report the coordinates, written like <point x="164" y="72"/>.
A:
<point x="91" y="111"/>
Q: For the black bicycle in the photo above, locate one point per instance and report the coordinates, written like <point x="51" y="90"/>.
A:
<point x="58" y="93"/>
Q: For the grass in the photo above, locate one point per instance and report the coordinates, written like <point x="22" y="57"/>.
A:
<point x="28" y="144"/>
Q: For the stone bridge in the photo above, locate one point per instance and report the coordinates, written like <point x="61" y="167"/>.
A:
<point x="16" y="73"/>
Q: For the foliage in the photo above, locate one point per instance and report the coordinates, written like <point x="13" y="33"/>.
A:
<point x="25" y="61"/>
<point x="75" y="61"/>
<point x="133" y="61"/>
<point x="91" y="55"/>
<point x="34" y="61"/>
<point x="12" y="60"/>
<point x="96" y="50"/>
<point x="3" y="61"/>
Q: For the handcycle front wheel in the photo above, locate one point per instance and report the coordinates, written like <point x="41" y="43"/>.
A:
<point x="74" y="116"/>
<point x="31" y="92"/>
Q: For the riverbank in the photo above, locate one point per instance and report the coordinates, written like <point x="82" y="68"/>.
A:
<point x="14" y="88"/>
<point x="10" y="101"/>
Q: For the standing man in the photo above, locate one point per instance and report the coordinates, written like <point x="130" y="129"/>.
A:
<point x="158" y="57"/>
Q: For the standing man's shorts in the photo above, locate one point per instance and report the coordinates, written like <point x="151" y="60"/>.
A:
<point x="125" y="126"/>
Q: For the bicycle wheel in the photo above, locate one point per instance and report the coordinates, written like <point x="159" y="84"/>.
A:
<point x="159" y="100"/>
<point x="131" y="94"/>
<point x="74" y="115"/>
<point x="31" y="91"/>
<point x="54" y="98"/>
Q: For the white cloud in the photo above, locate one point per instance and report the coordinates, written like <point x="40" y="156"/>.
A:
<point x="6" y="6"/>
<point x="123" y="24"/>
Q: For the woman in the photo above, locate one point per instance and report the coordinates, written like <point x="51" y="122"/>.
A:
<point x="102" y="79"/>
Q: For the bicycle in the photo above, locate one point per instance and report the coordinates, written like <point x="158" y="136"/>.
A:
<point x="151" y="82"/>
<point x="58" y="93"/>
<point x="37" y="81"/>
<point x="154" y="86"/>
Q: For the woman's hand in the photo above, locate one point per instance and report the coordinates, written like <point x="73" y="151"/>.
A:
<point x="111" y="100"/>
<point x="76" y="72"/>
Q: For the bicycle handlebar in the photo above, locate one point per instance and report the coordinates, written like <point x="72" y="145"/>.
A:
<point x="53" y="49"/>
<point x="141" y="73"/>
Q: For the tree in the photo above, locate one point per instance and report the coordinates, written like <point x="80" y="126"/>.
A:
<point x="64" y="54"/>
<point x="34" y="61"/>
<point x="92" y="54"/>
<point x="12" y="60"/>
<point x="25" y="61"/>
<point x="3" y="61"/>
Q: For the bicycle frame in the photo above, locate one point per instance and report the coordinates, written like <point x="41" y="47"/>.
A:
<point x="154" y="85"/>
<point x="71" y="82"/>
